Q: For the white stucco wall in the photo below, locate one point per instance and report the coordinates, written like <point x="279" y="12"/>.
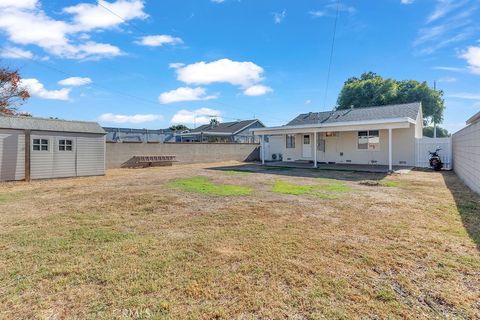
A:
<point x="466" y="155"/>
<point x="343" y="148"/>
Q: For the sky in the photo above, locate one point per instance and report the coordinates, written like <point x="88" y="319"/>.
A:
<point x="151" y="64"/>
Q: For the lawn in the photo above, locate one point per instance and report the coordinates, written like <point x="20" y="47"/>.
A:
<point x="233" y="241"/>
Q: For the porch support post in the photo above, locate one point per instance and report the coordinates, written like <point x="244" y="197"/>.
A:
<point x="390" y="167"/>
<point x="262" y="148"/>
<point x="314" y="149"/>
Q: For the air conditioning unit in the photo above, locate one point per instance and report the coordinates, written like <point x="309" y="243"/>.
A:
<point x="277" y="156"/>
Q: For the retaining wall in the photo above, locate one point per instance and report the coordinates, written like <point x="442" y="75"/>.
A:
<point x="118" y="153"/>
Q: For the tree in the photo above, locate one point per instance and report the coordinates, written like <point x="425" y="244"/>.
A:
<point x="441" y="132"/>
<point x="214" y="122"/>
<point x="179" y="127"/>
<point x="12" y="94"/>
<point x="373" y="90"/>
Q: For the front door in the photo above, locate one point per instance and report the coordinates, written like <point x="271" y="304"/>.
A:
<point x="307" y="146"/>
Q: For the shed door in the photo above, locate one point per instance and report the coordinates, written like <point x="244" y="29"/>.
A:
<point x="307" y="146"/>
<point x="12" y="155"/>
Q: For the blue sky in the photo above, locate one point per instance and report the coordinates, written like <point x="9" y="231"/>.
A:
<point x="148" y="64"/>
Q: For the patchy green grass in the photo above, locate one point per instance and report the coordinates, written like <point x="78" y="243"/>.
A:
<point x="133" y="245"/>
<point x="324" y="190"/>
<point x="3" y="198"/>
<point x="386" y="294"/>
<point x="390" y="183"/>
<point x="206" y="186"/>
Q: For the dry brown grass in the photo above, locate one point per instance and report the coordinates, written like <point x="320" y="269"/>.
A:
<point x="128" y="245"/>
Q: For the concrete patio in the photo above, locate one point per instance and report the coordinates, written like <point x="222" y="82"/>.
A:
<point x="338" y="166"/>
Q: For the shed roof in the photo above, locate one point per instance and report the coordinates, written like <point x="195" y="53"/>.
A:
<point x="225" y="127"/>
<point x="408" y="110"/>
<point x="43" y="124"/>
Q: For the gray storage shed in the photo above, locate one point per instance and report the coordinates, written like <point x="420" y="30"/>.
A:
<point x="36" y="148"/>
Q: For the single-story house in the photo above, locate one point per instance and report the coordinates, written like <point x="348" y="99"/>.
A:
<point x="383" y="135"/>
<point x="236" y="131"/>
<point x="37" y="148"/>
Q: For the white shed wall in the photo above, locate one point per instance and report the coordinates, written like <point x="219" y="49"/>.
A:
<point x="12" y="155"/>
<point x="466" y="155"/>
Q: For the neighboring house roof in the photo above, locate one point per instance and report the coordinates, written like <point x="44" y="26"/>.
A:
<point x="134" y="130"/>
<point x="409" y="110"/>
<point x="227" y="128"/>
<point x="474" y="119"/>
<point x="42" y="124"/>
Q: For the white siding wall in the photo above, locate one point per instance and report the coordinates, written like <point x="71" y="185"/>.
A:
<point x="86" y="159"/>
<point x="90" y="155"/>
<point x="346" y="143"/>
<point x="466" y="155"/>
<point x="12" y="155"/>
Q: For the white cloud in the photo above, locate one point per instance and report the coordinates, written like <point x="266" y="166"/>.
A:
<point x="257" y="90"/>
<point x="447" y="79"/>
<point x="185" y="94"/>
<point x="136" y="118"/>
<point x="452" y="69"/>
<point x="444" y="7"/>
<point x="317" y="13"/>
<point x="75" y="82"/>
<point x="278" y="17"/>
<point x="25" y="23"/>
<point x="197" y="117"/>
<point x="16" y="53"/>
<point x="159" y="40"/>
<point x="244" y="74"/>
<point x="176" y="65"/>
<point x="406" y="1"/>
<point x="308" y="101"/>
<point x="105" y="15"/>
<point x="217" y="1"/>
<point x="465" y="96"/>
<point x="37" y="89"/>
<point x="20" y="4"/>
<point x="472" y="56"/>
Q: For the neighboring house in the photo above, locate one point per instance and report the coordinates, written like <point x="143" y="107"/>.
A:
<point x="466" y="153"/>
<point x="139" y="135"/>
<point x="36" y="148"/>
<point x="383" y="135"/>
<point x="237" y="131"/>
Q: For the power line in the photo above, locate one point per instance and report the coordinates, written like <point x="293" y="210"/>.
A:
<point x="331" y="56"/>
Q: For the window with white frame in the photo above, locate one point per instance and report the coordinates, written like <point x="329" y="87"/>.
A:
<point x="330" y="134"/>
<point x="290" y="141"/>
<point x="368" y="140"/>
<point x="65" y="145"/>
<point x="40" y="144"/>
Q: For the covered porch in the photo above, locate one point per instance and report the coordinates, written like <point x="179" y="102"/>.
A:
<point x="353" y="154"/>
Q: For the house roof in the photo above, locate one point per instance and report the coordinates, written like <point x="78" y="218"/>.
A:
<point x="474" y="119"/>
<point x="42" y="124"/>
<point x="225" y="127"/>
<point x="409" y="110"/>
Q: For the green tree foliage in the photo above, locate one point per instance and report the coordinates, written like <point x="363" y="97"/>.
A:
<point x="441" y="132"/>
<point x="373" y="90"/>
<point x="179" y="127"/>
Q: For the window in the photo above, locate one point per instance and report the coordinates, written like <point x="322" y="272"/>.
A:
<point x="40" y="144"/>
<point x="331" y="134"/>
<point x="306" y="139"/>
<point x="368" y="140"/>
<point x="290" y="141"/>
<point x="65" y="145"/>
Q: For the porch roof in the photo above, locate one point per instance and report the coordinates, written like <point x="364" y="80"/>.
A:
<point x="394" y="123"/>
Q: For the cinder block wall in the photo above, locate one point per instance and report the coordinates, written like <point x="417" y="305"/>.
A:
<point x="466" y="155"/>
<point x="118" y="153"/>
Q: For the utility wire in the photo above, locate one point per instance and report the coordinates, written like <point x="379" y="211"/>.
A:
<point x="331" y="56"/>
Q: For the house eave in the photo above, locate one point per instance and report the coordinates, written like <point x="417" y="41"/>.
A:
<point x="340" y="126"/>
